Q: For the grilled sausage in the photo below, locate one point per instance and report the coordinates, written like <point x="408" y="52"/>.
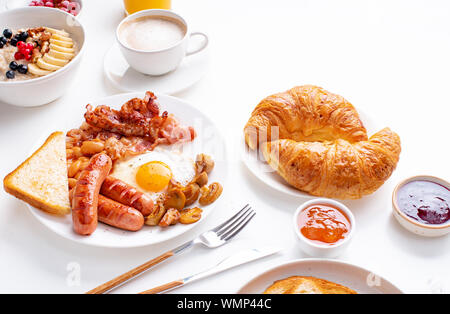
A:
<point x="118" y="215"/>
<point x="85" y="194"/>
<point x="125" y="194"/>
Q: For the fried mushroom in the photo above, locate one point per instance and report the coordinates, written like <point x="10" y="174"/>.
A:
<point x="201" y="179"/>
<point x="171" y="217"/>
<point x="209" y="194"/>
<point x="175" y="198"/>
<point x="155" y="217"/>
<point x="191" y="192"/>
<point x="190" y="215"/>
<point x="204" y="163"/>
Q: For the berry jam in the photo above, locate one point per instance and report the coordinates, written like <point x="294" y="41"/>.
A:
<point x="323" y="224"/>
<point x="425" y="201"/>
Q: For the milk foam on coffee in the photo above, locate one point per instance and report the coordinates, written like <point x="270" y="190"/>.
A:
<point x="151" y="33"/>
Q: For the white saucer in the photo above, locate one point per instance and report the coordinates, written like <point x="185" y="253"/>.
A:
<point x="125" y="78"/>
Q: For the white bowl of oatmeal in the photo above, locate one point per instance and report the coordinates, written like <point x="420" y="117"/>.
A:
<point x="41" y="57"/>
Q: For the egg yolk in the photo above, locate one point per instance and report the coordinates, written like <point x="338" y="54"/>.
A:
<point x="153" y="176"/>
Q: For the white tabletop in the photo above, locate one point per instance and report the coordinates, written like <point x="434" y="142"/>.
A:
<point x="389" y="58"/>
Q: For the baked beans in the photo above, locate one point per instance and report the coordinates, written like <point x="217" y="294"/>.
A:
<point x="74" y="168"/>
<point x="89" y="148"/>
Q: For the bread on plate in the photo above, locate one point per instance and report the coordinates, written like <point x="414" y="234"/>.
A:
<point x="41" y="180"/>
<point x="307" y="285"/>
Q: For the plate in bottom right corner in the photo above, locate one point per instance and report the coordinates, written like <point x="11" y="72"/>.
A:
<point x="361" y="280"/>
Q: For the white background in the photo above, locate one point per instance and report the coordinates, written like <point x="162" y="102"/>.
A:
<point x="390" y="58"/>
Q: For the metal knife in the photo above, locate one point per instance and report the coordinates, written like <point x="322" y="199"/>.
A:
<point x="237" y="259"/>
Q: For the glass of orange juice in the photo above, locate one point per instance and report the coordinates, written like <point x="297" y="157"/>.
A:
<point x="132" y="6"/>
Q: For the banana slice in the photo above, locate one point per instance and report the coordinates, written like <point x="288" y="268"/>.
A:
<point x="54" y="61"/>
<point x="60" y="55"/>
<point x="57" y="31"/>
<point x="61" y="49"/>
<point x="47" y="66"/>
<point x="60" y="52"/>
<point x="61" y="43"/>
<point x="34" y="69"/>
<point x="62" y="38"/>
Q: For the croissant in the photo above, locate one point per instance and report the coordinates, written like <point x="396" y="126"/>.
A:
<point x="337" y="169"/>
<point x="304" y="113"/>
<point x="322" y="146"/>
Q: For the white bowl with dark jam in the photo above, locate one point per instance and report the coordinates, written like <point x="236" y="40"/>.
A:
<point x="324" y="227"/>
<point x="421" y="204"/>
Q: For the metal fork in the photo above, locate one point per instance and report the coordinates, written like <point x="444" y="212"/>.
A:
<point x="213" y="238"/>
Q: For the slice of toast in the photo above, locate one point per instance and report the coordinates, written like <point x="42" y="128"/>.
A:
<point x="41" y="180"/>
<point x="307" y="285"/>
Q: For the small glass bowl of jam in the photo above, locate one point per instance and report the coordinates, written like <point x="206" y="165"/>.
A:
<point x="324" y="227"/>
<point x="421" y="204"/>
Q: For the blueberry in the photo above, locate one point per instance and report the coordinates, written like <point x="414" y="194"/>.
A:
<point x="23" y="36"/>
<point x="1" y="45"/>
<point x="7" y="33"/>
<point x="14" y="41"/>
<point x="3" y="40"/>
<point x="10" y="74"/>
<point x="23" y="68"/>
<point x="13" y="65"/>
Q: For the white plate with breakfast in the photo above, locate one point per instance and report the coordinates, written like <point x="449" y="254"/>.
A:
<point x="318" y="276"/>
<point x="319" y="146"/>
<point x="133" y="170"/>
<point x="123" y="77"/>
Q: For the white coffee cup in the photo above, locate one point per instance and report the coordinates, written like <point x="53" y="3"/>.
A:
<point x="159" y="62"/>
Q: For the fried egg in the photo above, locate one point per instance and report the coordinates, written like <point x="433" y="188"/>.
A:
<point x="151" y="172"/>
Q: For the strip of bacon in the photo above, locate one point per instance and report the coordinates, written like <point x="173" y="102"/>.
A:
<point x="141" y="118"/>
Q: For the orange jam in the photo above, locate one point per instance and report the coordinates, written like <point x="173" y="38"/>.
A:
<point x="323" y="224"/>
